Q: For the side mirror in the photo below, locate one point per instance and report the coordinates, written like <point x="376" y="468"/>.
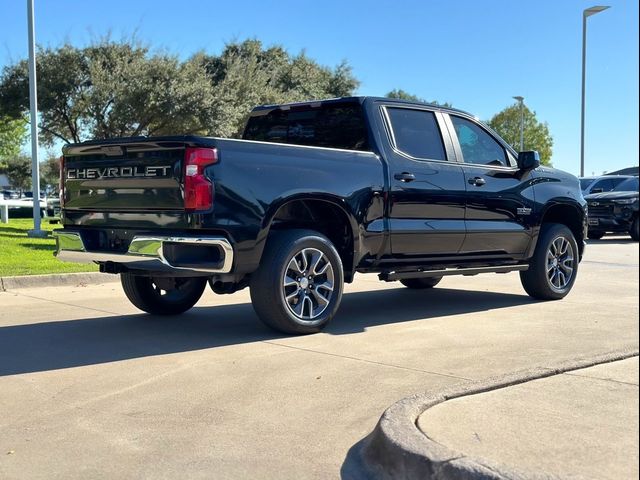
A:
<point x="597" y="190"/>
<point x="528" y="160"/>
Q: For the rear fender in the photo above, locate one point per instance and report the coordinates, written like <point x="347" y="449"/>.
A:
<point x="334" y="201"/>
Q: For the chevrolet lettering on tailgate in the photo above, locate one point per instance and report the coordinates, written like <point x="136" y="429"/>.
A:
<point x="117" y="172"/>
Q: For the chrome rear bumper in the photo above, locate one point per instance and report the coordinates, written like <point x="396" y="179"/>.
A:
<point x="147" y="253"/>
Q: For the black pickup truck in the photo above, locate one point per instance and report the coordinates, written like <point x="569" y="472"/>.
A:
<point x="313" y="193"/>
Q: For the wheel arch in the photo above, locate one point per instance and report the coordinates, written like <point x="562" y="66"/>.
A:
<point x="570" y="214"/>
<point x="326" y="214"/>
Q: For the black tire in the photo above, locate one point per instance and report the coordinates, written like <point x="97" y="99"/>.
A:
<point x="635" y="230"/>
<point x="149" y="297"/>
<point x="275" y="303"/>
<point x="421" y="283"/>
<point x="595" y="235"/>
<point x="538" y="280"/>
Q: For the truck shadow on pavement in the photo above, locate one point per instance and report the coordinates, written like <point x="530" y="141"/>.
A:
<point x="54" y="345"/>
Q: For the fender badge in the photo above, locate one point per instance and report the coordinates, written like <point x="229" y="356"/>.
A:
<point x="524" y="211"/>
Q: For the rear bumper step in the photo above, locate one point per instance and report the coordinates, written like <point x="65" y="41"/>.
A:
<point x="392" y="276"/>
<point x="153" y="253"/>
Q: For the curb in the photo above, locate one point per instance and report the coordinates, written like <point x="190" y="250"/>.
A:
<point x="397" y="449"/>
<point x="55" y="280"/>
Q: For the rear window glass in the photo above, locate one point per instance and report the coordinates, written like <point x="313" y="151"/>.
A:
<point x="330" y="126"/>
<point x="416" y="133"/>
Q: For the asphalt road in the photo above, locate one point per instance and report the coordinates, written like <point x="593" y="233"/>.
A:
<point x="91" y="388"/>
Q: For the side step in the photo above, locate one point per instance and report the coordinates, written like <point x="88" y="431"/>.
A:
<point x="392" y="276"/>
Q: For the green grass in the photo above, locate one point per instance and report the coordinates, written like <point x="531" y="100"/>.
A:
<point x="21" y="255"/>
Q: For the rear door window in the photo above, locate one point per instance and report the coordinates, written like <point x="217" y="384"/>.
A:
<point x="416" y="133"/>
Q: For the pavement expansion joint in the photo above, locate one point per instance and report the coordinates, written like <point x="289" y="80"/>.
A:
<point x="600" y="379"/>
<point x="612" y="264"/>
<point x="65" y="303"/>
<point x="347" y="357"/>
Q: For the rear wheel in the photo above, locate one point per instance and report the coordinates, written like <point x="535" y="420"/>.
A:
<point x="595" y="235"/>
<point x="420" y="283"/>
<point x="162" y="295"/>
<point x="554" y="265"/>
<point x="298" y="286"/>
<point x="635" y="230"/>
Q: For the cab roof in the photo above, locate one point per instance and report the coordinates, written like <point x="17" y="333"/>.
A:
<point x="360" y="99"/>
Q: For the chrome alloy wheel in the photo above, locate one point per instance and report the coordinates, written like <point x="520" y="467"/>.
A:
<point x="307" y="284"/>
<point x="560" y="263"/>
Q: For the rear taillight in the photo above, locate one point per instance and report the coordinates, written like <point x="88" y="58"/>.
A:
<point x="61" y="184"/>
<point x="198" y="189"/>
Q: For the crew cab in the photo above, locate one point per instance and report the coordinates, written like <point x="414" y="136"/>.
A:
<point x="312" y="194"/>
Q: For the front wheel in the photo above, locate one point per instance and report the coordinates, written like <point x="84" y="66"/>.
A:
<point x="298" y="287"/>
<point x="162" y="295"/>
<point x="554" y="265"/>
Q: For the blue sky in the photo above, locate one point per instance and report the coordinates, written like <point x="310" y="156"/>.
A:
<point x="476" y="55"/>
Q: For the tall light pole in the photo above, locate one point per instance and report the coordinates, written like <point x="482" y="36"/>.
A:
<point x="585" y="14"/>
<point x="521" y="101"/>
<point x="33" y="105"/>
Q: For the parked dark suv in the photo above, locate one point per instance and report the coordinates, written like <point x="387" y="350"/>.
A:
<point x="615" y="211"/>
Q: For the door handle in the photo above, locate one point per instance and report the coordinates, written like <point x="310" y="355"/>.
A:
<point x="477" y="181"/>
<point x="405" y="177"/>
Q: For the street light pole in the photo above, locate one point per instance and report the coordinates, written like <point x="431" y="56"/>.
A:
<point x="33" y="105"/>
<point x="585" y="14"/>
<point x="521" y="101"/>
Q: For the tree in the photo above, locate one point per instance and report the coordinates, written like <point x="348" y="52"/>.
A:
<point x="246" y="74"/>
<point x="50" y="173"/>
<point x="536" y="134"/>
<point x="13" y="133"/>
<point x="109" y="89"/>
<point x="114" y="89"/>
<point x="18" y="171"/>
<point x="402" y="95"/>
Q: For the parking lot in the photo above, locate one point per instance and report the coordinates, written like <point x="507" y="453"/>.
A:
<point x="92" y="388"/>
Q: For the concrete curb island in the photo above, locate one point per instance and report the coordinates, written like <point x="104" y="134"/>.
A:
<point x="398" y="449"/>
<point x="55" y="280"/>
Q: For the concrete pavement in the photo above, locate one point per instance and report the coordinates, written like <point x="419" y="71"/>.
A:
<point x="90" y="387"/>
<point x="581" y="423"/>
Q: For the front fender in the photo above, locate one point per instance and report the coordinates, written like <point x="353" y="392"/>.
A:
<point x="557" y="191"/>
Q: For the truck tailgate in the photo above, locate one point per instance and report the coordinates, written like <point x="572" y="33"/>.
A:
<point x="135" y="175"/>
